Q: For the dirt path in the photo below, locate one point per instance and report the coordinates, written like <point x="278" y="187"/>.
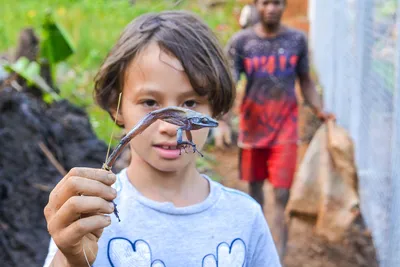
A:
<point x="305" y="249"/>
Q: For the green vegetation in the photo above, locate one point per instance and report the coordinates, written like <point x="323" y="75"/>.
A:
<point x="94" y="26"/>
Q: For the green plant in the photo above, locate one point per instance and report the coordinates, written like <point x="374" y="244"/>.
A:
<point x="56" y="44"/>
<point x="30" y="71"/>
<point x="94" y="26"/>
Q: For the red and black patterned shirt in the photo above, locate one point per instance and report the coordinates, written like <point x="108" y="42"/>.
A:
<point x="268" y="112"/>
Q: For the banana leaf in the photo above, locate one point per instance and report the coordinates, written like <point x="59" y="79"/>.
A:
<point x="56" y="44"/>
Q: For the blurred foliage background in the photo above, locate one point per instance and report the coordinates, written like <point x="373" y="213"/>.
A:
<point x="94" y="26"/>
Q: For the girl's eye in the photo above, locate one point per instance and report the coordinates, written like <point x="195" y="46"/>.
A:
<point x="190" y="104"/>
<point x="149" y="103"/>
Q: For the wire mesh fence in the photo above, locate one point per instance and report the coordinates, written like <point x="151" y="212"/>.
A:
<point x="356" y="53"/>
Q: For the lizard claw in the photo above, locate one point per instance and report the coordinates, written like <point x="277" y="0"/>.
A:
<point x="180" y="146"/>
<point x="196" y="150"/>
<point x="185" y="144"/>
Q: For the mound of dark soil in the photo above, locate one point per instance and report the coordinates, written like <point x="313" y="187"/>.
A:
<point x="38" y="142"/>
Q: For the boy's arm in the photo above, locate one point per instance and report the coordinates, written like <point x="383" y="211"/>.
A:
<point x="235" y="57"/>
<point x="307" y="85"/>
<point x="222" y="134"/>
<point x="264" y="250"/>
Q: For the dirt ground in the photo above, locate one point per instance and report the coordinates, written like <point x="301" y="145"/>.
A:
<point x="305" y="249"/>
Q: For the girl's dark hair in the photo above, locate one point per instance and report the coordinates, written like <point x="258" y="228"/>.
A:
<point x="185" y="36"/>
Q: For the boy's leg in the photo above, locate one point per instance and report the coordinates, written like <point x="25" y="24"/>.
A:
<point x="253" y="169"/>
<point x="281" y="228"/>
<point x="257" y="192"/>
<point x="281" y="167"/>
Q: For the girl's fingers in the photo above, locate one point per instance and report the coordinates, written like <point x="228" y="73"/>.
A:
<point x="103" y="176"/>
<point x="97" y="233"/>
<point x="77" y="185"/>
<point x="74" y="233"/>
<point x="75" y="206"/>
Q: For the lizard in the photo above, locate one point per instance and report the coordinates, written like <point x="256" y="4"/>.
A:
<point x="186" y="119"/>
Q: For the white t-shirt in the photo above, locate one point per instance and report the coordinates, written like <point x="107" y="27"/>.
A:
<point x="227" y="229"/>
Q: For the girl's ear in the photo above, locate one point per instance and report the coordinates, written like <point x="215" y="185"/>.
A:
<point x="117" y="117"/>
<point x="116" y="112"/>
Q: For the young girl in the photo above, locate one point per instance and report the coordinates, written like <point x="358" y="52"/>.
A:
<point x="171" y="215"/>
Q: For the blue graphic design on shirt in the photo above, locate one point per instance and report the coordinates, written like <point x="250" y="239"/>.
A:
<point x="233" y="255"/>
<point x="122" y="252"/>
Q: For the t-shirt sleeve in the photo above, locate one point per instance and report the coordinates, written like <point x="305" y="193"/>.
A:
<point x="51" y="253"/>
<point x="235" y="57"/>
<point x="265" y="253"/>
<point x="303" y="66"/>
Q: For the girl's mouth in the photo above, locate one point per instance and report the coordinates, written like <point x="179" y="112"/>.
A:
<point x="169" y="147"/>
<point x="168" y="152"/>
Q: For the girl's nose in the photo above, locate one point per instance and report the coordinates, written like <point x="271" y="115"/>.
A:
<point x="167" y="128"/>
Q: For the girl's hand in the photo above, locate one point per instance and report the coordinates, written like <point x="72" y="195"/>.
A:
<point x="75" y="214"/>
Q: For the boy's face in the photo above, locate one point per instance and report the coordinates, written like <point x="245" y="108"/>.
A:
<point x="153" y="80"/>
<point x="270" y="11"/>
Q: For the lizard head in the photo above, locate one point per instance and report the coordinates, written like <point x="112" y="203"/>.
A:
<point x="182" y="116"/>
<point x="202" y="121"/>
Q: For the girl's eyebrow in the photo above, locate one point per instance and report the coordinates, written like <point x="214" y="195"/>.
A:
<point x="188" y="94"/>
<point x="154" y="92"/>
<point x="149" y="91"/>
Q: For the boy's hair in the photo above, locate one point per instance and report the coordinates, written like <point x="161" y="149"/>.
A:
<point x="188" y="39"/>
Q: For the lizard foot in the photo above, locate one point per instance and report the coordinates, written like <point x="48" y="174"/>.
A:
<point x="185" y="144"/>
<point x="182" y="147"/>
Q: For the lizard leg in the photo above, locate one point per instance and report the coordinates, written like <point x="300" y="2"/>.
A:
<point x="179" y="140"/>
<point x="185" y="149"/>
<point x="183" y="144"/>
<point x="189" y="136"/>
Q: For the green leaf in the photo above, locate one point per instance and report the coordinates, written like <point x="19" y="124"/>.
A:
<point x="56" y="45"/>
<point x="30" y="71"/>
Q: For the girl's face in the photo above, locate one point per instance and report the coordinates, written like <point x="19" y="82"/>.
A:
<point x="153" y="80"/>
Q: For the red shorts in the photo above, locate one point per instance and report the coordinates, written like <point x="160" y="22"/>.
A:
<point x="277" y="164"/>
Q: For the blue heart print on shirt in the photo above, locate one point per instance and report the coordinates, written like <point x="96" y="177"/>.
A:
<point x="227" y="256"/>
<point x="122" y="252"/>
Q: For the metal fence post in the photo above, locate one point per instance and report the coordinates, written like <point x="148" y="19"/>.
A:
<point x="394" y="230"/>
